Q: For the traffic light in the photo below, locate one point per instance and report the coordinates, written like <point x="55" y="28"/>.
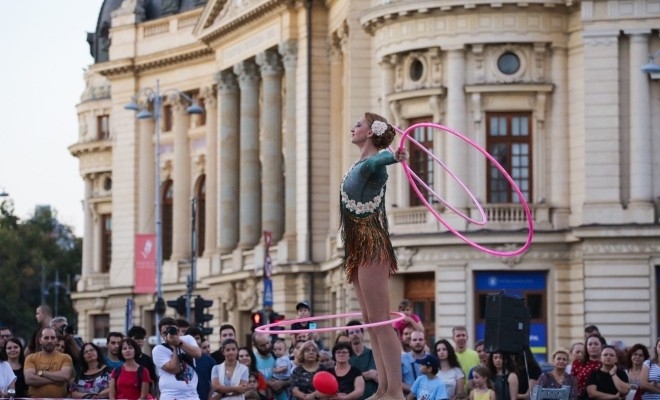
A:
<point x="201" y="317"/>
<point x="275" y="317"/>
<point x="258" y="319"/>
<point x="179" y="305"/>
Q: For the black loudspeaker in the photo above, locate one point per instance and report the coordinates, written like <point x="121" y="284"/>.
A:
<point x="507" y="324"/>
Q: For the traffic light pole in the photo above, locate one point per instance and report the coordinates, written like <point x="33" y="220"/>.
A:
<point x="192" y="278"/>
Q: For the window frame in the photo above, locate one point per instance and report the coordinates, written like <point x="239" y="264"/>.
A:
<point x="427" y="176"/>
<point x="510" y="141"/>
<point x="106" y="243"/>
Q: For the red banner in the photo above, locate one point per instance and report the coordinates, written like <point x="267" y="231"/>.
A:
<point x="145" y="264"/>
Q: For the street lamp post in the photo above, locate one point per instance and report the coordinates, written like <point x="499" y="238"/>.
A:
<point x="155" y="96"/>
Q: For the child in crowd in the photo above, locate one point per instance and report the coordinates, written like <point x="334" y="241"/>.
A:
<point x="411" y="319"/>
<point x="482" y="384"/>
<point x="283" y="364"/>
<point x="428" y="386"/>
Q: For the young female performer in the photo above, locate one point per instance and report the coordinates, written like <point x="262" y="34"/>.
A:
<point x="369" y="258"/>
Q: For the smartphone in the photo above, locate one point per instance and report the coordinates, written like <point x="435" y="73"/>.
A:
<point x="312" y="325"/>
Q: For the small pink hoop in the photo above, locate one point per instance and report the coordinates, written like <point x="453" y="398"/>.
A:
<point x="514" y="186"/>
<point x="266" y="328"/>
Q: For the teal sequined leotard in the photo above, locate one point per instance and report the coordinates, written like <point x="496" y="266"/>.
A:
<point x="362" y="210"/>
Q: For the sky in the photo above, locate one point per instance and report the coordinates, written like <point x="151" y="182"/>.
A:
<point x="43" y="51"/>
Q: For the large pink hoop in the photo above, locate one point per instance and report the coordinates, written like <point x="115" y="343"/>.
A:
<point x="514" y="186"/>
<point x="419" y="180"/>
<point x="266" y="328"/>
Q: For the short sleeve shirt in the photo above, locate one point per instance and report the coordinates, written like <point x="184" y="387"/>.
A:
<point x="48" y="362"/>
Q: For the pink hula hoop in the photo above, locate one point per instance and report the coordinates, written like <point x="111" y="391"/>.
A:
<point x="409" y="174"/>
<point x="266" y="328"/>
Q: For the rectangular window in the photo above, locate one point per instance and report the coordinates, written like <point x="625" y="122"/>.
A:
<point x="167" y="118"/>
<point x="106" y="242"/>
<point x="103" y="127"/>
<point x="201" y="118"/>
<point x="101" y="325"/>
<point x="509" y="141"/>
<point x="420" y="162"/>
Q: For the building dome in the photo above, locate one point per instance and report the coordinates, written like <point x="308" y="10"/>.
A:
<point x="99" y="40"/>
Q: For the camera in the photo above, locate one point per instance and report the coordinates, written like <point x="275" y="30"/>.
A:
<point x="172" y="330"/>
<point x="67" y="330"/>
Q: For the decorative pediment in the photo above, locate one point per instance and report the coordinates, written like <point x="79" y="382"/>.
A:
<point x="221" y="16"/>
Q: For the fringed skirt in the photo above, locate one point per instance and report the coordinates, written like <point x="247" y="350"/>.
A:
<point x="366" y="241"/>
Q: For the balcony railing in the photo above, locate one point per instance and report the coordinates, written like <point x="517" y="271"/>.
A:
<point x="498" y="216"/>
<point x="95" y="282"/>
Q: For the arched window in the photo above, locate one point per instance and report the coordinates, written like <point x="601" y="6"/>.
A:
<point x="200" y="218"/>
<point x="166" y="220"/>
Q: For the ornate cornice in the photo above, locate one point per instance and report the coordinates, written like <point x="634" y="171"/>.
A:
<point x="94" y="146"/>
<point x="374" y="17"/>
<point x="169" y="57"/>
<point x="156" y="60"/>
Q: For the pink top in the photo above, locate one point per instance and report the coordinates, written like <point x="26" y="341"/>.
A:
<point x="400" y="325"/>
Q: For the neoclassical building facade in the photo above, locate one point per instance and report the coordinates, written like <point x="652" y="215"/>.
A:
<point x="553" y="89"/>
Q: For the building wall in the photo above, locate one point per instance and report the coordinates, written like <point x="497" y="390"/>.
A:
<point x="594" y="131"/>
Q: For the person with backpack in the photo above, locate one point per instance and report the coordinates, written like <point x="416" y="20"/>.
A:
<point x="131" y="380"/>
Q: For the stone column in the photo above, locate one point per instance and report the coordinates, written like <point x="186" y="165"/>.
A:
<point x="88" y="243"/>
<point x="250" y="169"/>
<point x="211" y="170"/>
<point x="602" y="163"/>
<point x="228" y="162"/>
<point x="641" y="160"/>
<point x="387" y="85"/>
<point x="337" y="126"/>
<point x="181" y="181"/>
<point x="96" y="239"/>
<point x="289" y="52"/>
<point x="272" y="203"/>
<point x="557" y="143"/>
<point x="146" y="177"/>
<point x="456" y="153"/>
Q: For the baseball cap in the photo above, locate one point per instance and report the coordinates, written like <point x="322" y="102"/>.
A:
<point x="303" y="304"/>
<point x="429" y="360"/>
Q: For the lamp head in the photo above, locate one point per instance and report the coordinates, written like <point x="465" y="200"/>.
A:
<point x="143" y="114"/>
<point x="651" y="68"/>
<point x="195" y="108"/>
<point x="132" y="106"/>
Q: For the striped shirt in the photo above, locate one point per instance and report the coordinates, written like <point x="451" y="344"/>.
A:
<point x="654" y="376"/>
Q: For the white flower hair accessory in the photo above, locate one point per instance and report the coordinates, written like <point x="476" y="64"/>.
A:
<point x="379" y="127"/>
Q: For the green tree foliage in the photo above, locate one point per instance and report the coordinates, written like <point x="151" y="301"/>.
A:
<point x="31" y="251"/>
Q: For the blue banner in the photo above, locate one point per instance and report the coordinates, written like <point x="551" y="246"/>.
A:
<point x="268" y="269"/>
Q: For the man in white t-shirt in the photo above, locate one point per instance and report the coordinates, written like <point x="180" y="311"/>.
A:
<point x="175" y="362"/>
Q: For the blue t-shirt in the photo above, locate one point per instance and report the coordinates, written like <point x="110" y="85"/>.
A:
<point x="410" y="370"/>
<point x="265" y="366"/>
<point x="113" y="364"/>
<point x="429" y="389"/>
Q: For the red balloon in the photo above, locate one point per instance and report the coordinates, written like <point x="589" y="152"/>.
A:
<point x="325" y="383"/>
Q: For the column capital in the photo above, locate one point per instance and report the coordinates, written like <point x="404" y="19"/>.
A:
<point x="289" y="51"/>
<point x="209" y="95"/>
<point x="637" y="32"/>
<point x="227" y="82"/>
<point x="269" y="63"/>
<point x="177" y="102"/>
<point x="248" y="73"/>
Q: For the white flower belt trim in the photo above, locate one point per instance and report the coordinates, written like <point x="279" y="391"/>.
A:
<point x="358" y="207"/>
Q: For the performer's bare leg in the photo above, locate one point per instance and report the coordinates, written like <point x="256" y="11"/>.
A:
<point x="373" y="282"/>
<point x="375" y="348"/>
